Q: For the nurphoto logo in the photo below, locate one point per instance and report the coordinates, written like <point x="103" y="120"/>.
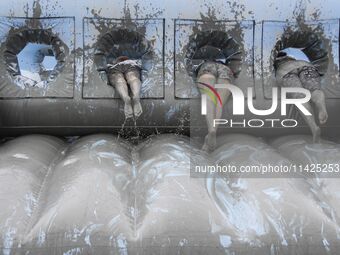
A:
<point x="238" y="104"/>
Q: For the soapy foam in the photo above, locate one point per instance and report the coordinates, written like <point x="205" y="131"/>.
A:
<point x="101" y="195"/>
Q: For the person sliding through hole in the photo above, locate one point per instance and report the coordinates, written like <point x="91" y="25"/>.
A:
<point x="124" y="73"/>
<point x="214" y="58"/>
<point x="295" y="69"/>
<point x="121" y="56"/>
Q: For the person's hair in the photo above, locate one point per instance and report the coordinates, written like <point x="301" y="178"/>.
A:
<point x="122" y="58"/>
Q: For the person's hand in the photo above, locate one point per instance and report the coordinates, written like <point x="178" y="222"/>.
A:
<point x="103" y="76"/>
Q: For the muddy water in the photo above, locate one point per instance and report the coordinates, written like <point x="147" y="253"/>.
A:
<point x="103" y="195"/>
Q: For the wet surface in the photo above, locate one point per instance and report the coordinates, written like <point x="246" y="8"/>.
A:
<point x="38" y="56"/>
<point x="98" y="47"/>
<point x="319" y="41"/>
<point x="167" y="104"/>
<point x="100" y="194"/>
<point x="234" y="38"/>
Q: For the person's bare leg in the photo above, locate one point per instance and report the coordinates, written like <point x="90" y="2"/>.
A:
<point x="224" y="93"/>
<point x="118" y="81"/>
<point x="310" y="120"/>
<point x="310" y="78"/>
<point x="217" y="113"/>
<point x="318" y="98"/>
<point x="210" y="138"/>
<point x="133" y="79"/>
<point x="294" y="81"/>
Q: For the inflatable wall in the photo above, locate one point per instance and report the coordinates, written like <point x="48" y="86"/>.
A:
<point x="78" y="177"/>
<point x="68" y="97"/>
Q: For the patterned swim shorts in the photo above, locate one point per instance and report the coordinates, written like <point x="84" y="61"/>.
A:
<point x="308" y="76"/>
<point x="219" y="70"/>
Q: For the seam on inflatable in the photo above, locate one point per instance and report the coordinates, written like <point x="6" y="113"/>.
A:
<point x="60" y="155"/>
<point x="134" y="164"/>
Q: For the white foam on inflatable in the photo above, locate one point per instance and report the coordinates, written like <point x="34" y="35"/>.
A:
<point x="324" y="185"/>
<point x="24" y="165"/>
<point x="265" y="211"/>
<point x="101" y="195"/>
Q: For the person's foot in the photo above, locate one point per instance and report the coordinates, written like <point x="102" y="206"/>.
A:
<point x="209" y="142"/>
<point x="316" y="135"/>
<point x="128" y="111"/>
<point x="137" y="108"/>
<point x="318" y="97"/>
<point x="323" y="116"/>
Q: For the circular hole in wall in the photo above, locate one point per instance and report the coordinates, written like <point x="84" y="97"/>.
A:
<point x="302" y="45"/>
<point x="34" y="57"/>
<point x="121" y="45"/>
<point x="213" y="45"/>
